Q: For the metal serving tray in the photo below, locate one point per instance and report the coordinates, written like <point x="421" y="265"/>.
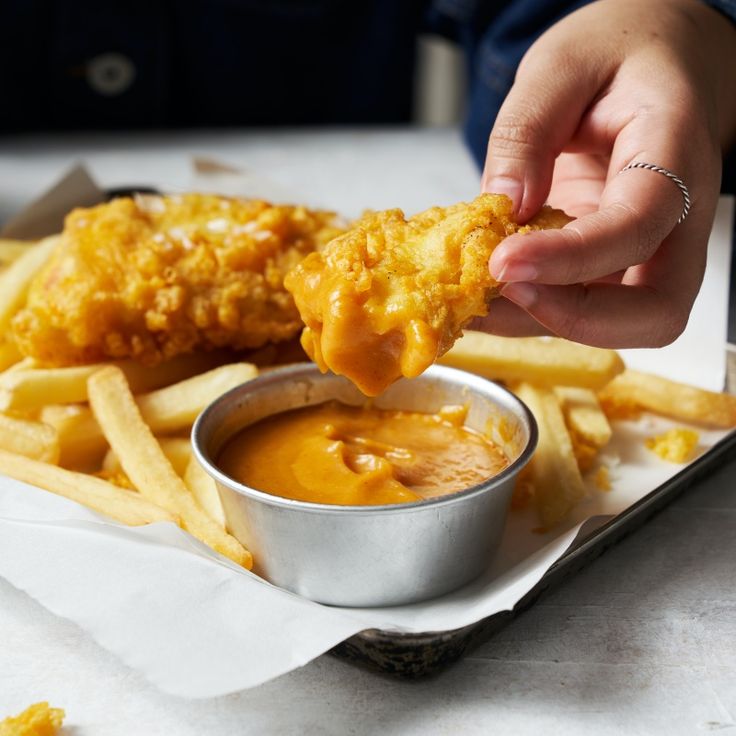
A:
<point x="418" y="655"/>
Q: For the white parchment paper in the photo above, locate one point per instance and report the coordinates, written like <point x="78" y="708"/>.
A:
<point x="196" y="625"/>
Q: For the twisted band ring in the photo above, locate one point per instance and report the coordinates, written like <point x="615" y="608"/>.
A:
<point x="670" y="175"/>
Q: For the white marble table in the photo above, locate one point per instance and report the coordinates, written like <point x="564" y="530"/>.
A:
<point x="642" y="641"/>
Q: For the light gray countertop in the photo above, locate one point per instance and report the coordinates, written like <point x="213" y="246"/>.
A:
<point x="642" y="641"/>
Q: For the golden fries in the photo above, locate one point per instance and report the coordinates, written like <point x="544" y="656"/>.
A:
<point x="553" y="470"/>
<point x="584" y="416"/>
<point x="146" y="465"/>
<point x="9" y="355"/>
<point x="36" y="387"/>
<point x="33" y="388"/>
<point x="81" y="442"/>
<point x="171" y="409"/>
<point x="32" y="439"/>
<point x="176" y="407"/>
<point x="178" y="451"/>
<point x="541" y="361"/>
<point x="127" y="507"/>
<point x="203" y="488"/>
<point x="588" y="425"/>
<point x="15" y="280"/>
<point x="633" y="390"/>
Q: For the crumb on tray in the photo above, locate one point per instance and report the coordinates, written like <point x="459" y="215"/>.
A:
<point x="675" y="445"/>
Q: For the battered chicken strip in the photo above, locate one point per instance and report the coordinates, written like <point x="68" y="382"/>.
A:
<point x="391" y="295"/>
<point x="153" y="277"/>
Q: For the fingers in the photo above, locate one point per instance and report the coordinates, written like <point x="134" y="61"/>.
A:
<point x="577" y="183"/>
<point x="626" y="232"/>
<point x="638" y="209"/>
<point x="603" y="315"/>
<point x="649" y="308"/>
<point x="538" y="118"/>
<point x="506" y="319"/>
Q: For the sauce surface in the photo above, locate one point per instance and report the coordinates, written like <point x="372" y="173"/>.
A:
<point x="338" y="454"/>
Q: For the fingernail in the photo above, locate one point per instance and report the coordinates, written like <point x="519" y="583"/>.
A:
<point x="512" y="188"/>
<point x="525" y="295"/>
<point x="517" y="271"/>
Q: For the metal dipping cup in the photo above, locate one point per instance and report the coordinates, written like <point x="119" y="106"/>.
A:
<point x="368" y="556"/>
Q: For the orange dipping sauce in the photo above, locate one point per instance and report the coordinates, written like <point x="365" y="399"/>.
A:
<point x="346" y="455"/>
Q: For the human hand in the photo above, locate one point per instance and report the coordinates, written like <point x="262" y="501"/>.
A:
<point x="615" y="82"/>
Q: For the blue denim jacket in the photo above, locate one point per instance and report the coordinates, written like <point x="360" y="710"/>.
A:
<point x="86" y="64"/>
<point x="495" y="50"/>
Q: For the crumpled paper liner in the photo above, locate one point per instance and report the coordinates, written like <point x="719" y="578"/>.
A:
<point x="196" y="625"/>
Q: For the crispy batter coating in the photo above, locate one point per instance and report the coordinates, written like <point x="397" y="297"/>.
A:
<point x="391" y="295"/>
<point x="153" y="277"/>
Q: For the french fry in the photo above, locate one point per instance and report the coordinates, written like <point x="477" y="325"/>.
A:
<point x="15" y="280"/>
<point x="127" y="507"/>
<point x="32" y="439"/>
<point x="81" y="442"/>
<point x="203" y="488"/>
<point x="36" y="387"/>
<point x="11" y="250"/>
<point x="541" y="361"/>
<point x="24" y="364"/>
<point x="553" y="470"/>
<point x="584" y="416"/>
<point x="178" y="451"/>
<point x="146" y="465"/>
<point x="166" y="410"/>
<point x="587" y="424"/>
<point x="9" y="355"/>
<point x="644" y="391"/>
<point x="176" y="407"/>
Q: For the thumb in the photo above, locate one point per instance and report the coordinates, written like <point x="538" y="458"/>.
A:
<point x="537" y="120"/>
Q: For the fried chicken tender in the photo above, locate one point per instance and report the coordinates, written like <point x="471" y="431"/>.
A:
<point x="153" y="277"/>
<point x="391" y="295"/>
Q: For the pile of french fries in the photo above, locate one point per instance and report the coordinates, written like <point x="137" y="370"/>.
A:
<point x="574" y="391"/>
<point x="114" y="436"/>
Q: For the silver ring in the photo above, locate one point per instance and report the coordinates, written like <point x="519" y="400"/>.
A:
<point x="670" y="175"/>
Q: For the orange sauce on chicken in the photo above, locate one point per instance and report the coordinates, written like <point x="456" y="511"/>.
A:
<point x="338" y="454"/>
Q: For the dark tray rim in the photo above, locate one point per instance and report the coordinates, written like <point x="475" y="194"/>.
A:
<point x="425" y="653"/>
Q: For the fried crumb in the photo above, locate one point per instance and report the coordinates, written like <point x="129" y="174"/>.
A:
<point x="37" y="720"/>
<point x="675" y="445"/>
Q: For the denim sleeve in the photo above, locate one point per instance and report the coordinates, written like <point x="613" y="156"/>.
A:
<point x="727" y="7"/>
<point x="728" y="183"/>
<point x="495" y="37"/>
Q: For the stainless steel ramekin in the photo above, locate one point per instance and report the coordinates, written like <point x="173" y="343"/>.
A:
<point x="369" y="555"/>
